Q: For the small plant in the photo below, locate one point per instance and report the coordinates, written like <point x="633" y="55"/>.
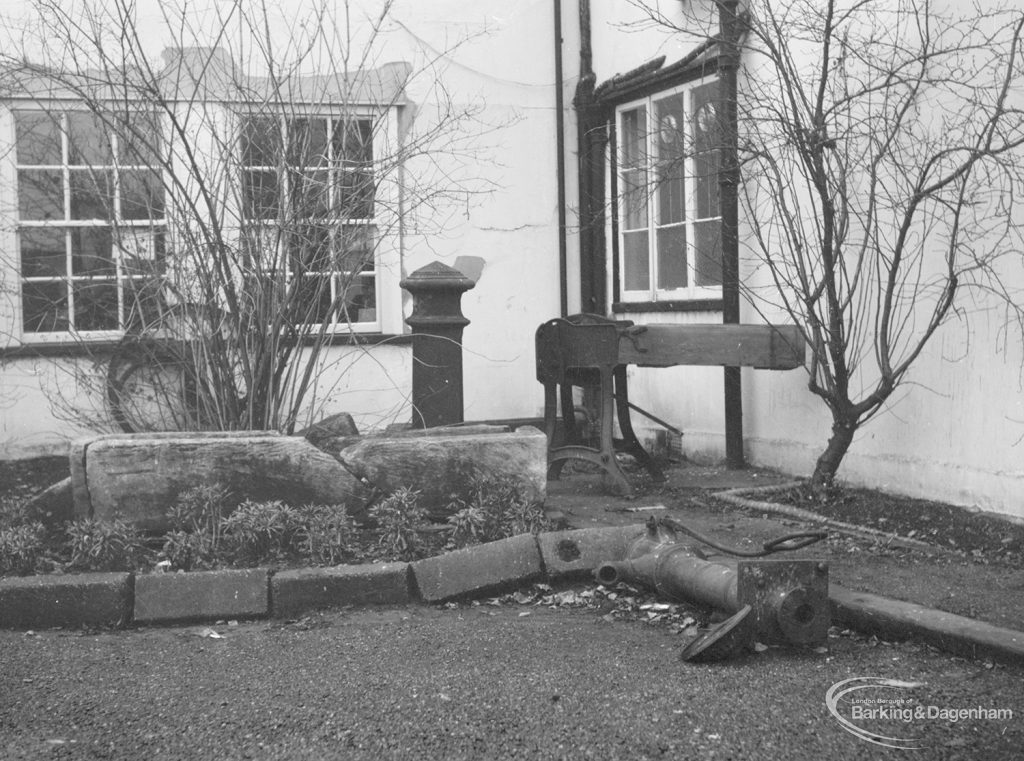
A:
<point x="399" y="518"/>
<point x="197" y="519"/>
<point x="262" y="531"/>
<point x="493" y="507"/>
<point x="100" y="545"/>
<point x="21" y="547"/>
<point x="326" y="533"/>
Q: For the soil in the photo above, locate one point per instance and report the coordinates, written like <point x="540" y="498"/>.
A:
<point x="973" y="533"/>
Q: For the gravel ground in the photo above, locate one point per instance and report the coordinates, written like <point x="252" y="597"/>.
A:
<point x="470" y="682"/>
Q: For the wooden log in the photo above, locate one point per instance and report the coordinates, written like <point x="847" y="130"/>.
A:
<point x="139" y="477"/>
<point x="773" y="347"/>
<point x="435" y="462"/>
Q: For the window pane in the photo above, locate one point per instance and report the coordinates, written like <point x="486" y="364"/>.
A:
<point x="706" y="127"/>
<point x="140" y="139"/>
<point x="355" y="194"/>
<point x="310" y="194"/>
<point x="635" y="261"/>
<point x="310" y="249"/>
<point x="360" y="300"/>
<point x="91" y="252"/>
<point x="352" y="142"/>
<point x="260" y="195"/>
<point x="38" y="137"/>
<point x="307" y="142"/>
<point x="142" y="194"/>
<point x="96" y="306"/>
<point x="142" y="302"/>
<point x="40" y="194"/>
<point x="708" y="255"/>
<point x="261" y="141"/>
<point x="633" y="140"/>
<point x="88" y="141"/>
<point x="671" y="162"/>
<point x="44" y="307"/>
<point x="42" y="252"/>
<point x="672" y="257"/>
<point x="92" y="194"/>
<point x="315" y="295"/>
<point x="356" y="244"/>
<point x="141" y="251"/>
<point x="706" y="184"/>
<point x="634" y="199"/>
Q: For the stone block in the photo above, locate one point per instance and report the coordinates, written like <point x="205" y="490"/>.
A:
<point x="434" y="462"/>
<point x="138" y="477"/>
<point x="478" y="570"/>
<point x="169" y="597"/>
<point x="88" y="599"/>
<point x="574" y="554"/>
<point x="298" y="591"/>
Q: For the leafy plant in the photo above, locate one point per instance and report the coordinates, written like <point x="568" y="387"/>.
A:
<point x="399" y="518"/>
<point x="21" y="547"/>
<point x="12" y="512"/>
<point x="261" y="531"/>
<point x="493" y="507"/>
<point x="101" y="545"/>
<point x="197" y="519"/>
<point x="326" y="533"/>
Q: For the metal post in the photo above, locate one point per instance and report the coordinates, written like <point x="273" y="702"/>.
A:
<point x="437" y="323"/>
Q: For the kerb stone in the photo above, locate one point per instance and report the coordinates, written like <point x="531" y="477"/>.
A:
<point x="165" y="597"/>
<point x="88" y="599"/>
<point x="574" y="554"/>
<point x="476" y="570"/>
<point x="295" y="592"/>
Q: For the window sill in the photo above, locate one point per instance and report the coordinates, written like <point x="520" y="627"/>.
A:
<point x="107" y="346"/>
<point x="687" y="305"/>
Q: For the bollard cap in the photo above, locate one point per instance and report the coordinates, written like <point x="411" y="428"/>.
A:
<point x="437" y="276"/>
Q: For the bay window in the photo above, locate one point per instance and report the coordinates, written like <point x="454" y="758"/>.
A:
<point x="668" y="158"/>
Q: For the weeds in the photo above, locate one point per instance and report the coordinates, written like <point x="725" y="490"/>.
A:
<point x="327" y="535"/>
<point x="97" y="545"/>
<point x="21" y="548"/>
<point x="491" y="508"/>
<point x="400" y="518"/>
<point x="197" y="519"/>
<point x="258" y="532"/>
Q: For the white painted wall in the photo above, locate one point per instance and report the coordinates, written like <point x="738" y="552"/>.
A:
<point x="491" y="57"/>
<point x="955" y="430"/>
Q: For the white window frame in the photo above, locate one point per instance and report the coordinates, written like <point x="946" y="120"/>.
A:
<point x="149" y="228"/>
<point x="652" y="292"/>
<point x="383" y="223"/>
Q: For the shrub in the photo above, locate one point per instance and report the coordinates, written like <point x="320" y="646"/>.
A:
<point x="260" y="531"/>
<point x="21" y="547"/>
<point x="326" y="534"/>
<point x="197" y="518"/>
<point x="399" y="518"/>
<point x="492" y="507"/>
<point x="100" y="545"/>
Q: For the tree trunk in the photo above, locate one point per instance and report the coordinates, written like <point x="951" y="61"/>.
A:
<point x="828" y="463"/>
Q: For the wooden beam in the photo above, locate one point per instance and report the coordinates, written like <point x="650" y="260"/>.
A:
<point x="773" y="347"/>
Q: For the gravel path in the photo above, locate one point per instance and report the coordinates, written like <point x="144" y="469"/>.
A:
<point x="473" y="682"/>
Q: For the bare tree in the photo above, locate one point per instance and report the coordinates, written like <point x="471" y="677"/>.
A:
<point x="230" y="206"/>
<point x="880" y="146"/>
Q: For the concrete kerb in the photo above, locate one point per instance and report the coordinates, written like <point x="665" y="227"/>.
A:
<point x="117" y="599"/>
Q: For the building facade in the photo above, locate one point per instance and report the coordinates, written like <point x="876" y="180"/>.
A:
<point x="563" y="155"/>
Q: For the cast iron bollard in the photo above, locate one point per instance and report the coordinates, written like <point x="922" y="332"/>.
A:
<point x="437" y="323"/>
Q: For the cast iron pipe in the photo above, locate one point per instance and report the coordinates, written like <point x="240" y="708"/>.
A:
<point x="789" y="599"/>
